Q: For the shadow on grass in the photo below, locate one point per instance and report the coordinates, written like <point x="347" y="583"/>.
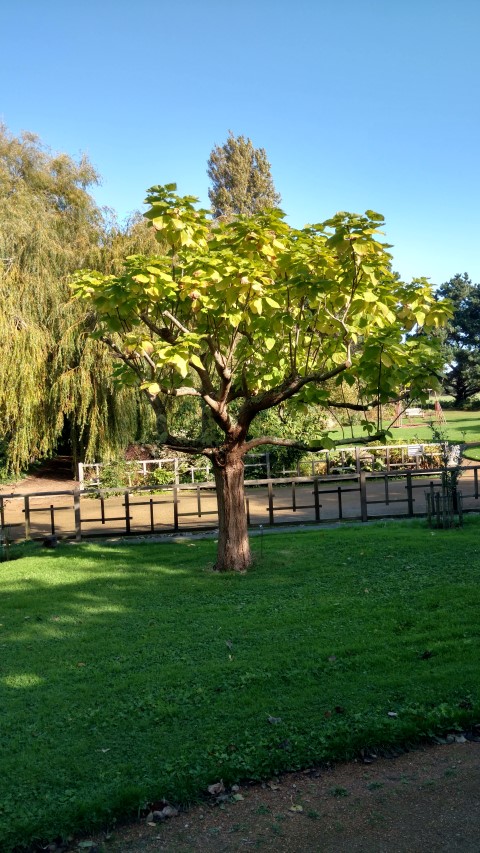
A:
<point x="132" y="672"/>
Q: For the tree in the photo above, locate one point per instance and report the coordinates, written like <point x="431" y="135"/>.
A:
<point x="55" y="380"/>
<point x="241" y="179"/>
<point x="252" y="314"/>
<point x="462" y="338"/>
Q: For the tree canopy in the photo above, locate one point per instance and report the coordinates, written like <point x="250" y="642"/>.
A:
<point x="462" y="338"/>
<point x="241" y="179"/>
<point x="54" y="379"/>
<point x="253" y="313"/>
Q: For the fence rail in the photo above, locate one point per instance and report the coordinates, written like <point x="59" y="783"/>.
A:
<point x="389" y="457"/>
<point x="186" y="507"/>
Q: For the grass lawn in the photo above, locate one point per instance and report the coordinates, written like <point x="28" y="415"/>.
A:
<point x="131" y="672"/>
<point x="460" y="426"/>
<point x="472" y="453"/>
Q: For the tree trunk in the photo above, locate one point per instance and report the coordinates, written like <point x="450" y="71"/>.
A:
<point x="233" y="553"/>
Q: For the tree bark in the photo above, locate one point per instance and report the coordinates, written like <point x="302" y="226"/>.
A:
<point x="233" y="553"/>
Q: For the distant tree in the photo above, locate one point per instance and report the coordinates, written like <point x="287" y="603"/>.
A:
<point x="55" y="381"/>
<point x="462" y="338"/>
<point x="254" y="315"/>
<point x="241" y="179"/>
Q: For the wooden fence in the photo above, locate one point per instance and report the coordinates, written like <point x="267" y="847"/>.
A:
<point x="190" y="507"/>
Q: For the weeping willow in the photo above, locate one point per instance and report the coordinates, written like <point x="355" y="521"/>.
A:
<point x="55" y="381"/>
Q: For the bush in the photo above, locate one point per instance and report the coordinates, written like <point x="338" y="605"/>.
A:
<point x="160" y="477"/>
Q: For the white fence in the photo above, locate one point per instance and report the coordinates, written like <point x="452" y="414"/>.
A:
<point x="339" y="461"/>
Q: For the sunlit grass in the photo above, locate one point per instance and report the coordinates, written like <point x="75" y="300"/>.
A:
<point x="459" y="427"/>
<point x="133" y="672"/>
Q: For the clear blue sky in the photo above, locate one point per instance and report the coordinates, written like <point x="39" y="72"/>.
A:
<point x="358" y="104"/>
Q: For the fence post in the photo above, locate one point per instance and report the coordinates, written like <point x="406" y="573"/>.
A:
<point x="175" y="471"/>
<point x="362" y="479"/>
<point x="127" y="512"/>
<point x="175" y="506"/>
<point x="270" y="503"/>
<point x="26" y="510"/>
<point x="409" y="492"/>
<point x="316" y="500"/>
<point x="388" y="459"/>
<point x="267" y="460"/>
<point x="357" y="460"/>
<point x="77" y="515"/>
<point x="81" y="475"/>
<point x="340" y="508"/>
<point x="2" y="514"/>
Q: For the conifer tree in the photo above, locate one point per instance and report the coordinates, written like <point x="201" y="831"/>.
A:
<point x="241" y="179"/>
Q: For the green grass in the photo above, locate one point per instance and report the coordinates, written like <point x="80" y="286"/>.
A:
<point x="473" y="453"/>
<point x="131" y="672"/>
<point x="460" y="426"/>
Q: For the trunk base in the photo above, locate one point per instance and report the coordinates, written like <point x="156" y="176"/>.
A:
<point x="233" y="553"/>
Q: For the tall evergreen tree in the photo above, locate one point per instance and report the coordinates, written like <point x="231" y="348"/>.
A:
<point x="241" y="179"/>
<point x="55" y="381"/>
<point x="462" y="338"/>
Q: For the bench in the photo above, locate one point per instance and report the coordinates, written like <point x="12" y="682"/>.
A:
<point x="414" y="456"/>
<point x="414" y="412"/>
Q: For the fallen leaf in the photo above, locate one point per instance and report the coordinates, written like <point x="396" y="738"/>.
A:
<point x="216" y="789"/>
<point x="296" y="809"/>
<point x="274" y="720"/>
<point x="392" y="714"/>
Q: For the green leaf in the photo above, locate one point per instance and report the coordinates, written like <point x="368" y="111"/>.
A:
<point x="196" y="361"/>
<point x="271" y="302"/>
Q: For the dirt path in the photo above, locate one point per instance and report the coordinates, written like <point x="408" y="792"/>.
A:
<point x="49" y="511"/>
<point x="55" y="475"/>
<point x="425" y="801"/>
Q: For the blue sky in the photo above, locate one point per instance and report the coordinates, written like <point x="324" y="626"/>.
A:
<point x="358" y="104"/>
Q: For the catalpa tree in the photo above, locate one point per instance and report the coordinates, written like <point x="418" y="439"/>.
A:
<point x="245" y="316"/>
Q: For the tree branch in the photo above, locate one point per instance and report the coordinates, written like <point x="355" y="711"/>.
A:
<point x="307" y="448"/>
<point x="283" y="392"/>
<point x="163" y="333"/>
